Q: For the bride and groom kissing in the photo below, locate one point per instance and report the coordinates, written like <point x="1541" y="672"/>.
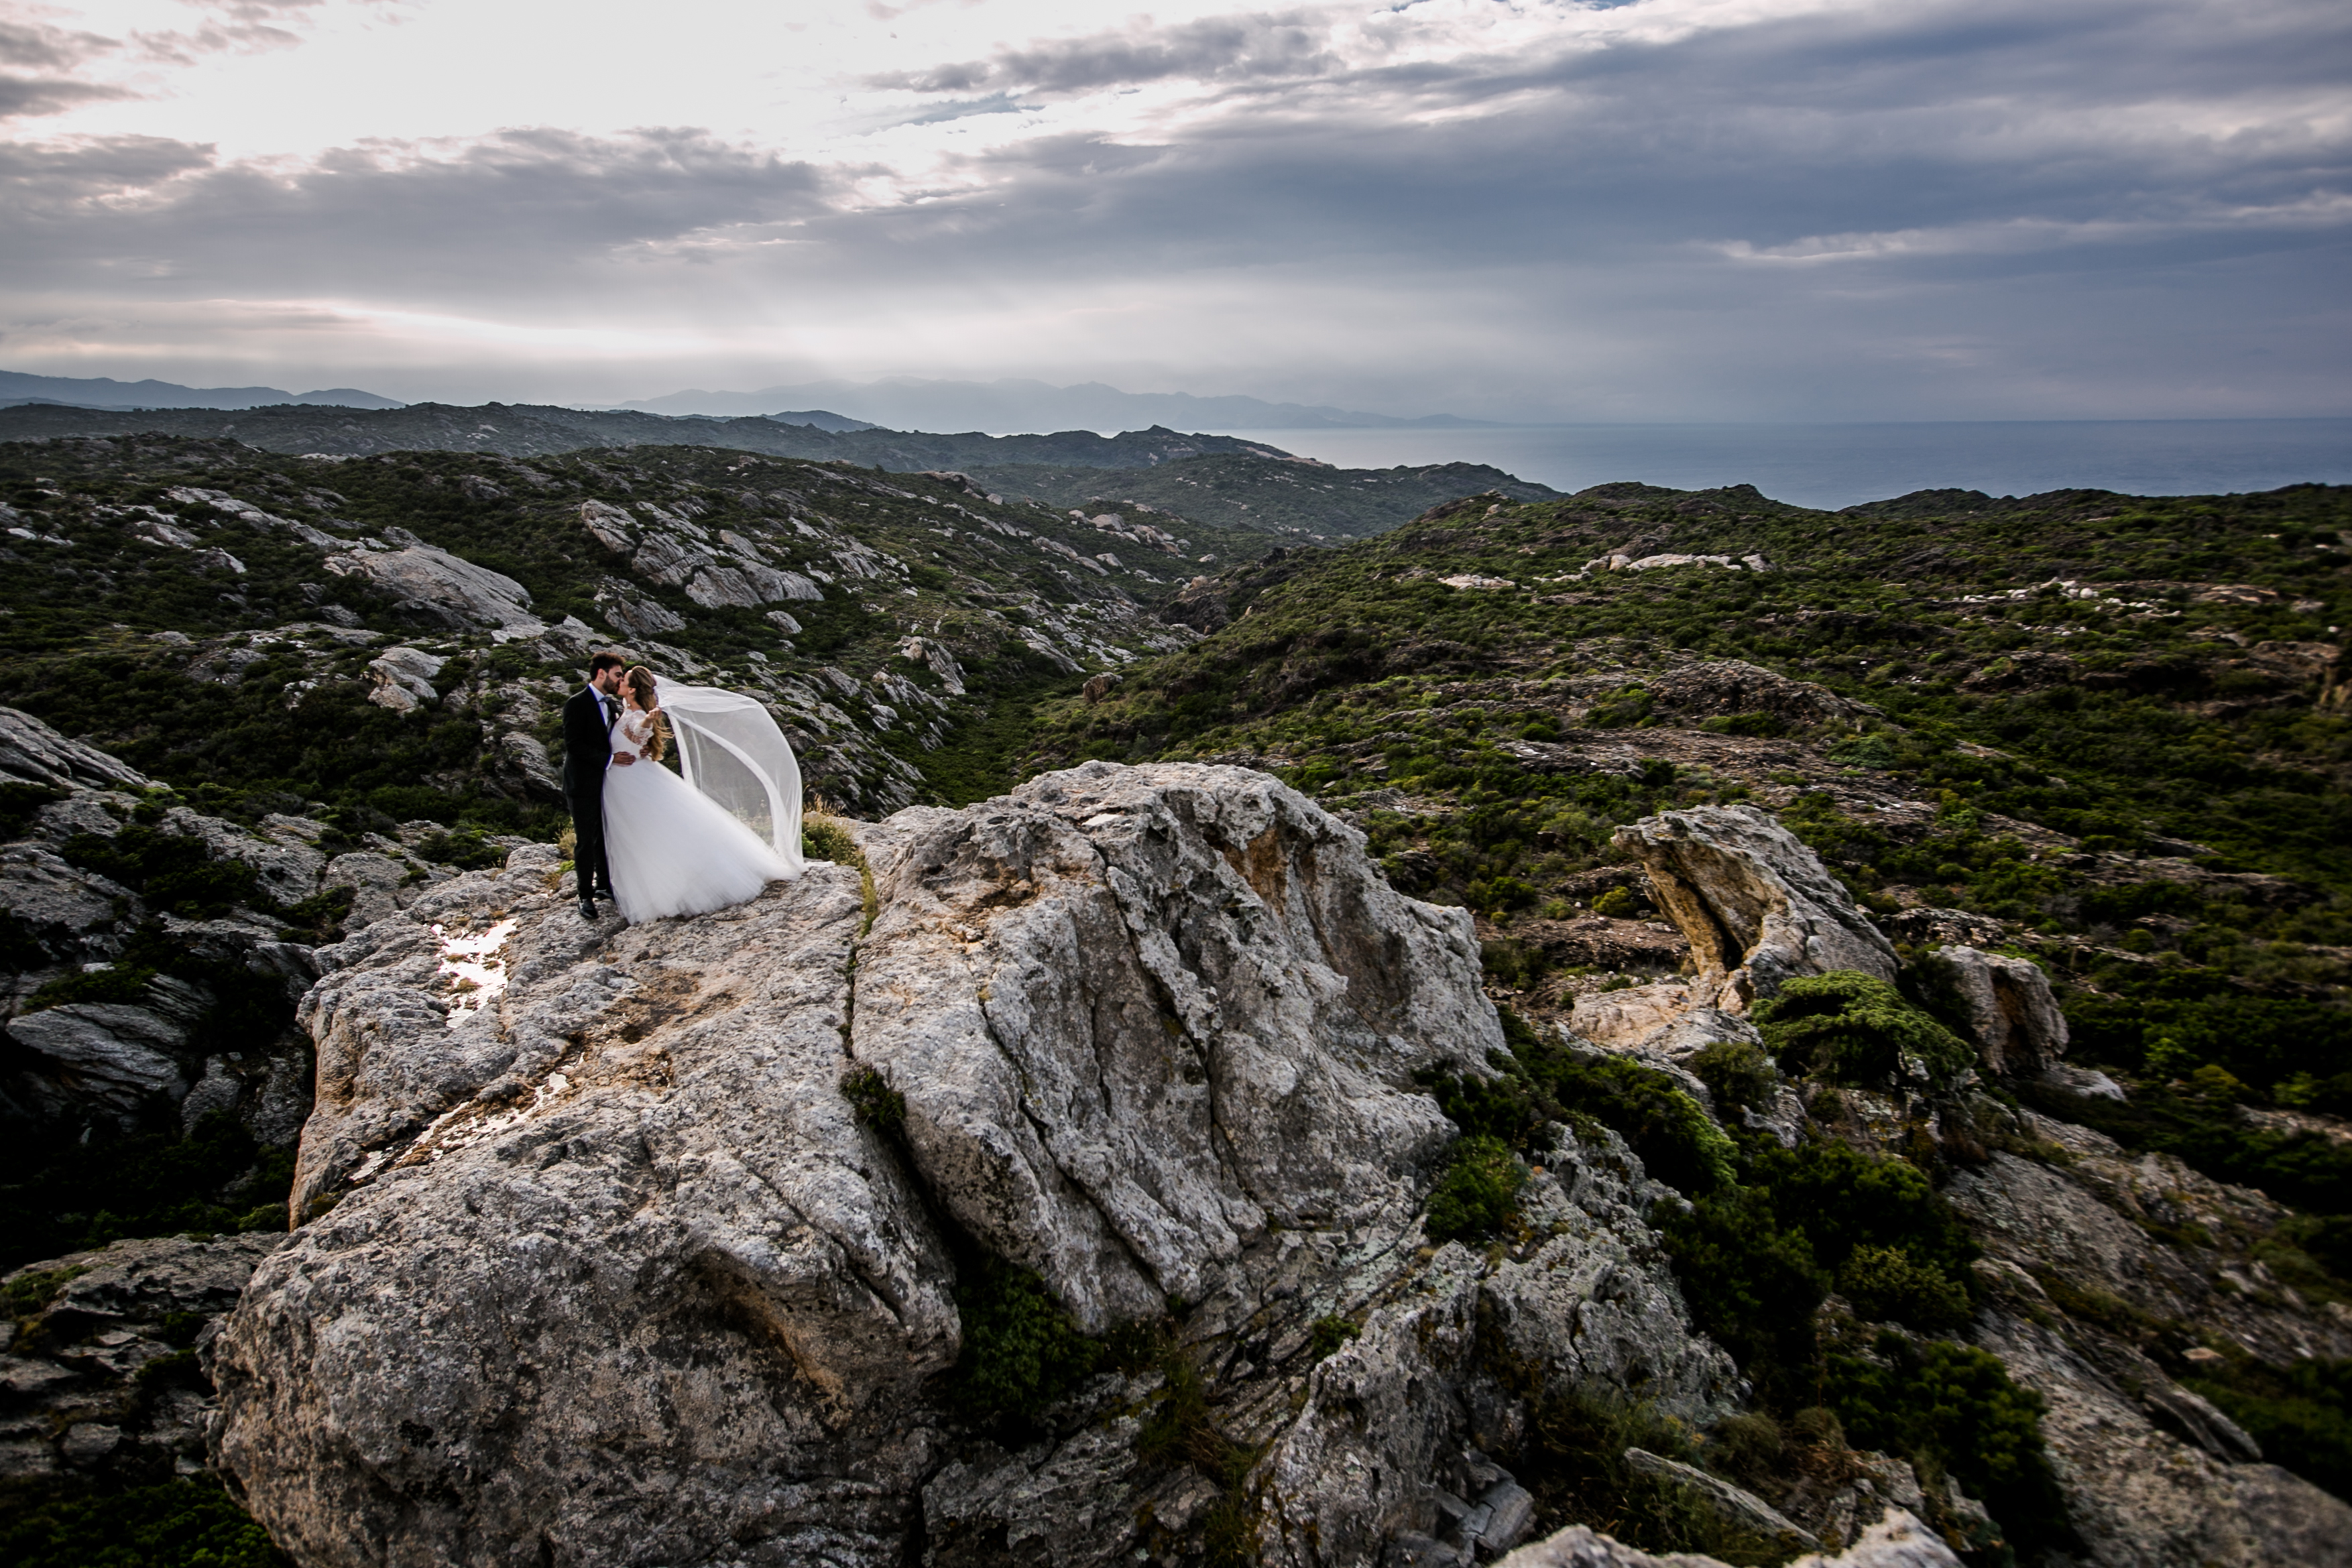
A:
<point x="654" y="843"/>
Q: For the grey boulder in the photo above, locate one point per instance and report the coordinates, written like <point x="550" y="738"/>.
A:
<point x="446" y="589"/>
<point x="101" y="1060"/>
<point x="1140" y="1015"/>
<point x="2011" y="1015"/>
<point x="1897" y="1541"/>
<point x="34" y="753"/>
<point x="1757" y="905"/>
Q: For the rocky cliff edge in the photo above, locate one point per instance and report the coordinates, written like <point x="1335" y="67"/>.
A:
<point x="601" y="1263"/>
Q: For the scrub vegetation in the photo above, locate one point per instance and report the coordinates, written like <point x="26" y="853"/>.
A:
<point x="2107" y="733"/>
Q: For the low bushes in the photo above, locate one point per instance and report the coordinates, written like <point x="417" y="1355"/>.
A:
<point x="183" y="1523"/>
<point x="1475" y="1197"/>
<point x="1574" y="1463"/>
<point x="2302" y="1415"/>
<point x="1951" y="1410"/>
<point x="69" y="1197"/>
<point x="1757" y="1260"/>
<point x="1021" y="1350"/>
<point x="169" y="872"/>
<point x="1845" y="1026"/>
<point x="1541" y="1080"/>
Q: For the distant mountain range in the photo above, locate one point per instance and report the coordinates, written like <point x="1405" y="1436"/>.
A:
<point x="524" y="430"/>
<point x="908" y="404"/>
<point x="1223" y="487"/>
<point x="1000" y="407"/>
<point x="104" y="392"/>
<point x="817" y="418"/>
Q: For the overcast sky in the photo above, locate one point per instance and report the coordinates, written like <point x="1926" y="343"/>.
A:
<point x="1660" y="209"/>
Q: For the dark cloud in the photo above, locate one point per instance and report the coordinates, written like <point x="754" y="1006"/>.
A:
<point x="516" y="211"/>
<point x="36" y="66"/>
<point x="1932" y="209"/>
<point x="1226" y="50"/>
<point x="2082" y="122"/>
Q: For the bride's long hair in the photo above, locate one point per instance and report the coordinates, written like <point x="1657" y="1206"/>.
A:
<point x="640" y="682"/>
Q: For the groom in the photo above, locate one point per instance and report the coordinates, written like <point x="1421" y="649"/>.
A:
<point x="588" y="720"/>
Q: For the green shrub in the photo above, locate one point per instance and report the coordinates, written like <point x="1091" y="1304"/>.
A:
<point x="872" y="1100"/>
<point x="2307" y="1169"/>
<point x="2326" y="1238"/>
<point x="1619" y="709"/>
<point x="1331" y="1335"/>
<point x="1760" y="726"/>
<point x="1021" y="1352"/>
<point x="1952" y="1409"/>
<point x="169" y="872"/>
<point x="1544" y="1081"/>
<point x="1748" y="1447"/>
<point x="824" y="839"/>
<point x="177" y="1369"/>
<point x="1518" y="964"/>
<point x="1737" y="1073"/>
<point x="1180" y="1430"/>
<point x="2301" y="1415"/>
<point x="20" y="803"/>
<point x="1886" y="1284"/>
<point x="1846" y="1027"/>
<point x="1863" y="751"/>
<point x="1478" y="1196"/>
<point x="464" y="848"/>
<point x="1755" y="1259"/>
<point x="2205" y="1018"/>
<point x="114" y="983"/>
<point x="318" y="919"/>
<point x="1574" y="1464"/>
<point x="69" y="1197"/>
<point x="1750" y="1280"/>
<point x="27" y="1294"/>
<point x="1677" y="1142"/>
<point x="1617" y="904"/>
<point x="184" y="1523"/>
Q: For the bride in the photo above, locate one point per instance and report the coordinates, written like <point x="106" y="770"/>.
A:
<point x="715" y="837"/>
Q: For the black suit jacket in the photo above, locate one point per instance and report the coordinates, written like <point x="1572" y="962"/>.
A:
<point x="587" y="748"/>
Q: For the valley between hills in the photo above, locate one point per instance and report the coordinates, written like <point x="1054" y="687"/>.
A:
<point x="1337" y="1017"/>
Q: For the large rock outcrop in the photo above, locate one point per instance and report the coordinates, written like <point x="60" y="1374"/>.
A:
<point x="2153" y="1473"/>
<point x="2010" y="1013"/>
<point x="440" y="588"/>
<point x="624" y="1280"/>
<point x="1457" y="1356"/>
<point x="33" y="753"/>
<point x="1759" y="907"/>
<point x="1140" y="1015"/>
<point x="605" y="1268"/>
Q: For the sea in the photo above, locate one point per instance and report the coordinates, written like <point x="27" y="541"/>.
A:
<point x="1834" y="466"/>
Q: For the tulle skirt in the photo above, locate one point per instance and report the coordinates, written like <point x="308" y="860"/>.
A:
<point x="674" y="850"/>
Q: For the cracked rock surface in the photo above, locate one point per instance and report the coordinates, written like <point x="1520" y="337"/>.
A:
<point x="601" y="1266"/>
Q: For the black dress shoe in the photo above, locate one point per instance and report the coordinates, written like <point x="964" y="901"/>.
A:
<point x="587" y="908"/>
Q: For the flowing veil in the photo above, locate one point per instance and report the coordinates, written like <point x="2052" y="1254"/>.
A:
<point x="730" y="749"/>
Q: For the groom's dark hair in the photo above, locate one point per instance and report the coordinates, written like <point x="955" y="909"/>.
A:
<point x="604" y="662"/>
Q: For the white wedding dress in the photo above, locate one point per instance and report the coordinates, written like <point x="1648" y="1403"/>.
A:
<point x="673" y="849"/>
